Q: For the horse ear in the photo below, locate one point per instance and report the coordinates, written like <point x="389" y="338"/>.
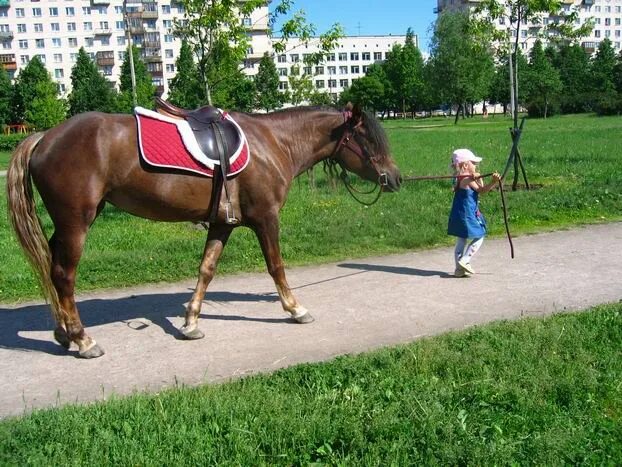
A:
<point x="357" y="113"/>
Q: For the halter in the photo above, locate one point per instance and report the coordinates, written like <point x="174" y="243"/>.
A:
<point x="348" y="140"/>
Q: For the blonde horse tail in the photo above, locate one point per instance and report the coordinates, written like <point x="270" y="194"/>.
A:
<point x="26" y="222"/>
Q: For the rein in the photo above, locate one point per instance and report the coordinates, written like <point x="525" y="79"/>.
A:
<point x="505" y="213"/>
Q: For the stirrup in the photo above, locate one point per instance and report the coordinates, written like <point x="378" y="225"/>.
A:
<point x="230" y="214"/>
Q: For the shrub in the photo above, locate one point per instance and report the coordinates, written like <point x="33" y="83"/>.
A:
<point x="10" y="142"/>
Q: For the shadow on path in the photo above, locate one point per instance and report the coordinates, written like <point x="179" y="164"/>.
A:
<point x="157" y="308"/>
<point x="395" y="270"/>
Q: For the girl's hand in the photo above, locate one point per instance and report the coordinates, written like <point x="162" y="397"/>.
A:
<point x="496" y="177"/>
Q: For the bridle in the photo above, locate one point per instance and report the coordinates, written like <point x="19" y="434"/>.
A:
<point x="348" y="141"/>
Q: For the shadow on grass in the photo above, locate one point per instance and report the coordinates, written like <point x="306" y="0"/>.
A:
<point x="157" y="308"/>
<point x="396" y="270"/>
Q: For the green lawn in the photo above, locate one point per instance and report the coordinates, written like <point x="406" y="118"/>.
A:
<point x="573" y="159"/>
<point x="531" y="392"/>
<point x="4" y="159"/>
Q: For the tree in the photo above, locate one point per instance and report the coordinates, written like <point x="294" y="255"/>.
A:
<point x="519" y="12"/>
<point x="367" y="91"/>
<point x="543" y="82"/>
<point x="404" y="70"/>
<point x="603" y="85"/>
<point x="267" y="85"/>
<point x="574" y="71"/>
<point x="461" y="60"/>
<point x="617" y="73"/>
<point x="214" y="29"/>
<point x="242" y="94"/>
<point x="499" y="92"/>
<point x="5" y="96"/>
<point x="46" y="109"/>
<point x="89" y="89"/>
<point x="25" y="88"/>
<point x="185" y="90"/>
<point x="145" y="90"/>
<point x="301" y="86"/>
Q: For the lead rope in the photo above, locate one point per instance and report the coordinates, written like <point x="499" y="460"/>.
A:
<point x="501" y="192"/>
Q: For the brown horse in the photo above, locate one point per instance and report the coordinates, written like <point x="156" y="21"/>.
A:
<point x="93" y="158"/>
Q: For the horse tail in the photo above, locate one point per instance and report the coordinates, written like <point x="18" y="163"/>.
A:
<point x="26" y="222"/>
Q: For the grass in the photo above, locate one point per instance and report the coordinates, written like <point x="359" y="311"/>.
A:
<point x="4" y="159"/>
<point x="535" y="391"/>
<point x="573" y="158"/>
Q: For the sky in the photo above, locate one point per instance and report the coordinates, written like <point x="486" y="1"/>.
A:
<point x="371" y="17"/>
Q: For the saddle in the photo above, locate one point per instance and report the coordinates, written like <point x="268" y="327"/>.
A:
<point x="218" y="139"/>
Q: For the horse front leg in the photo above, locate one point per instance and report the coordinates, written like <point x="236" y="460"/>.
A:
<point x="217" y="237"/>
<point x="268" y="234"/>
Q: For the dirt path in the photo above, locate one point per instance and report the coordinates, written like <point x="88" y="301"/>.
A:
<point x="358" y="305"/>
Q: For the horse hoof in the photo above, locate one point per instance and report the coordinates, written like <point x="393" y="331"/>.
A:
<point x="304" y="319"/>
<point x="192" y="334"/>
<point x="60" y="335"/>
<point x="93" y="352"/>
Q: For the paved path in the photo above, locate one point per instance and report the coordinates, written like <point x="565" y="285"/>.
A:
<point x="2" y="173"/>
<point x="358" y="305"/>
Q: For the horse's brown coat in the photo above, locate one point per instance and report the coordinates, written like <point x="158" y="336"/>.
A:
<point x="92" y="159"/>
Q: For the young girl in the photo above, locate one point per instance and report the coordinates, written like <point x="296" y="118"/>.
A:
<point x="465" y="219"/>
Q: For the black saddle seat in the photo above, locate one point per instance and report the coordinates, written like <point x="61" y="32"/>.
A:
<point x="213" y="132"/>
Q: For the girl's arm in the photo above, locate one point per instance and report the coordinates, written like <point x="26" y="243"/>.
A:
<point x="477" y="184"/>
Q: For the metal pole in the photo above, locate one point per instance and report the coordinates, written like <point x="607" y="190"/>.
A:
<point x="131" y="52"/>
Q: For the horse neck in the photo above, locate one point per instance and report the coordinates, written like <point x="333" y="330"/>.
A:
<point x="310" y="137"/>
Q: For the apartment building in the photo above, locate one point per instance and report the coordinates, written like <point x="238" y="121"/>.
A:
<point x="606" y="15"/>
<point x="349" y="61"/>
<point x="54" y="30"/>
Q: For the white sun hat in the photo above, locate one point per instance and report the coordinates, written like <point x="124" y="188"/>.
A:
<point x="463" y="155"/>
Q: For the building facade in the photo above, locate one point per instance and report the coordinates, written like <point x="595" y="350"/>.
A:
<point x="347" y="62"/>
<point x="54" y="30"/>
<point x="606" y="15"/>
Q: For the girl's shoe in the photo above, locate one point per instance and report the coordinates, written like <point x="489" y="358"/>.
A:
<point x="460" y="272"/>
<point x="466" y="266"/>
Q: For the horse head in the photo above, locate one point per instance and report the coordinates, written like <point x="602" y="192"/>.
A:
<point x="363" y="148"/>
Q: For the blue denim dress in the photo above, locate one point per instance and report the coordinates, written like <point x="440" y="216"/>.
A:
<point x="465" y="218"/>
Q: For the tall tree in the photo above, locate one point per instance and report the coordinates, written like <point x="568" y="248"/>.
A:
<point x="267" y="85"/>
<point x="574" y="71"/>
<point x="603" y="84"/>
<point x="517" y="13"/>
<point x="25" y="88"/>
<point x="145" y="90"/>
<point x="461" y="59"/>
<point x="6" y="90"/>
<point x="404" y="70"/>
<point x="214" y="28"/>
<point x="300" y="86"/>
<point x="543" y="82"/>
<point x="46" y="109"/>
<point x="185" y="90"/>
<point x="89" y="89"/>
<point x="617" y="74"/>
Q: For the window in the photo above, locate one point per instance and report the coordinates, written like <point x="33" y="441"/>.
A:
<point x="365" y="68"/>
<point x="120" y="25"/>
<point x="617" y="21"/>
<point x="61" y="88"/>
<point x="607" y="21"/>
<point x="597" y="33"/>
<point x="332" y="83"/>
<point x="24" y="59"/>
<point x="170" y="68"/>
<point x="71" y="27"/>
<point x="39" y="43"/>
<point x="107" y="70"/>
<point x="281" y="58"/>
<point x="282" y="71"/>
<point x="104" y="25"/>
<point x="294" y="70"/>
<point x="343" y="70"/>
<point x="343" y="56"/>
<point x="167" y="23"/>
<point x="53" y="11"/>
<point x="89" y="41"/>
<point x="366" y="56"/>
<point x="41" y="57"/>
<point x="70" y="11"/>
<point x="168" y="38"/>
<point x="343" y="83"/>
<point x="283" y="85"/>
<point x="19" y="12"/>
<point x="118" y="10"/>
<point x="36" y="12"/>
<point x="168" y="53"/>
<point x="103" y="41"/>
<point x="330" y="57"/>
<point x="73" y="42"/>
<point x="294" y="58"/>
<point x="377" y="55"/>
<point x="247" y="21"/>
<point x="166" y="9"/>
<point x="58" y="58"/>
<point x="56" y="41"/>
<point x="332" y="70"/>
<point x="354" y="56"/>
<point x="21" y="28"/>
<point x="307" y="70"/>
<point x="319" y="84"/>
<point x="59" y="73"/>
<point x="120" y="40"/>
<point x="38" y="27"/>
<point x="87" y="26"/>
<point x="23" y="44"/>
<point x="86" y="10"/>
<point x="354" y="69"/>
<point x="73" y="57"/>
<point x="55" y="27"/>
<point x="121" y="55"/>
<point x="319" y="70"/>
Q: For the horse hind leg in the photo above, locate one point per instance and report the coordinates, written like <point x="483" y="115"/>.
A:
<point x="67" y="244"/>
<point x="217" y="238"/>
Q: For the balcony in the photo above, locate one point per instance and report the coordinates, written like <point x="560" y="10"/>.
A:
<point x="103" y="32"/>
<point x="6" y="36"/>
<point x="100" y="2"/>
<point x="589" y="47"/>
<point x="8" y="61"/>
<point x="105" y="58"/>
<point x="150" y="11"/>
<point x="152" y="58"/>
<point x="152" y="44"/>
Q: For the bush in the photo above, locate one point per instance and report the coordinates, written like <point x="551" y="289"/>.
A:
<point x="10" y="142"/>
